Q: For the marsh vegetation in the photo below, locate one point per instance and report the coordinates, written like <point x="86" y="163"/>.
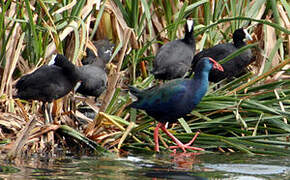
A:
<point x="249" y="114"/>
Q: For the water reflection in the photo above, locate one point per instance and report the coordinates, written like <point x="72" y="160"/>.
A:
<point x="255" y="169"/>
<point x="159" y="166"/>
<point x="182" y="175"/>
<point x="185" y="160"/>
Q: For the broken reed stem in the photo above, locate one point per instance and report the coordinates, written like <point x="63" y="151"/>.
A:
<point x="21" y="140"/>
<point x="23" y="111"/>
<point x="126" y="133"/>
<point x="281" y="105"/>
<point x="143" y="69"/>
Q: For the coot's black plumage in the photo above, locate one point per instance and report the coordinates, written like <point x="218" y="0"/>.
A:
<point x="174" y="99"/>
<point x="92" y="74"/>
<point x="49" y="82"/>
<point x="94" y="80"/>
<point x="232" y="68"/>
<point x="173" y="59"/>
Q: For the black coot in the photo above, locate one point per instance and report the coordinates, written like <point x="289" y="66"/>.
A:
<point x="48" y="83"/>
<point x="232" y="68"/>
<point x="175" y="99"/>
<point x="173" y="59"/>
<point x="92" y="74"/>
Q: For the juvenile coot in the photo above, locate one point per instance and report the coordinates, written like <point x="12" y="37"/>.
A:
<point x="93" y="76"/>
<point x="175" y="99"/>
<point x="105" y="49"/>
<point x="232" y="68"/>
<point x="173" y="59"/>
<point x="48" y="83"/>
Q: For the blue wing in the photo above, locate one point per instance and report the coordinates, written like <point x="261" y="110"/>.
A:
<point x="160" y="98"/>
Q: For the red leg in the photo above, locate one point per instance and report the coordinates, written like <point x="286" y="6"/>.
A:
<point x="193" y="139"/>
<point x="180" y="144"/>
<point x="156" y="132"/>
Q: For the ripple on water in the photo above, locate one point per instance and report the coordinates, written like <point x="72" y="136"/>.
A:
<point x="253" y="169"/>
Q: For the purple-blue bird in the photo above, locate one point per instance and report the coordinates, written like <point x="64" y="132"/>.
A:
<point x="175" y="99"/>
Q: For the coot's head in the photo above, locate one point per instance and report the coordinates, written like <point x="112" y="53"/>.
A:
<point x="105" y="49"/>
<point x="189" y="33"/>
<point x="189" y="26"/>
<point x="205" y="64"/>
<point x="241" y="34"/>
<point x="104" y="52"/>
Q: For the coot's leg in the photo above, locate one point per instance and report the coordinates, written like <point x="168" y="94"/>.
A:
<point x="46" y="116"/>
<point x="50" y="112"/>
<point x="47" y="112"/>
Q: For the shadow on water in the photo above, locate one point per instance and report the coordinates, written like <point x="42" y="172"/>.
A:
<point x="181" y="166"/>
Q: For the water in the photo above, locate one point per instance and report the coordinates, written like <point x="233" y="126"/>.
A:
<point x="159" y="166"/>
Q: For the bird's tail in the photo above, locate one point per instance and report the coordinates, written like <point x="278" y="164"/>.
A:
<point x="68" y="67"/>
<point x="62" y="61"/>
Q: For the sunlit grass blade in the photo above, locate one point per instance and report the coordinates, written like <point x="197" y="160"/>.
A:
<point x="286" y="6"/>
<point x="35" y="41"/>
<point x="146" y="5"/>
<point x="98" y="19"/>
<point x="185" y="125"/>
<point x="268" y="63"/>
<point x="192" y="6"/>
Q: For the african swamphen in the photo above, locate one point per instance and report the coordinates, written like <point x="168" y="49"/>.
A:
<point x="93" y="76"/>
<point x="175" y="99"/>
<point x="48" y="83"/>
<point x="173" y="59"/>
<point x="232" y="68"/>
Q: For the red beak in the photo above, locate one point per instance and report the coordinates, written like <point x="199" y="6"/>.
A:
<point x="216" y="65"/>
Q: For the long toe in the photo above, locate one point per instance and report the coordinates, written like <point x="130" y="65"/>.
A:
<point x="184" y="147"/>
<point x="193" y="139"/>
<point x="187" y="145"/>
